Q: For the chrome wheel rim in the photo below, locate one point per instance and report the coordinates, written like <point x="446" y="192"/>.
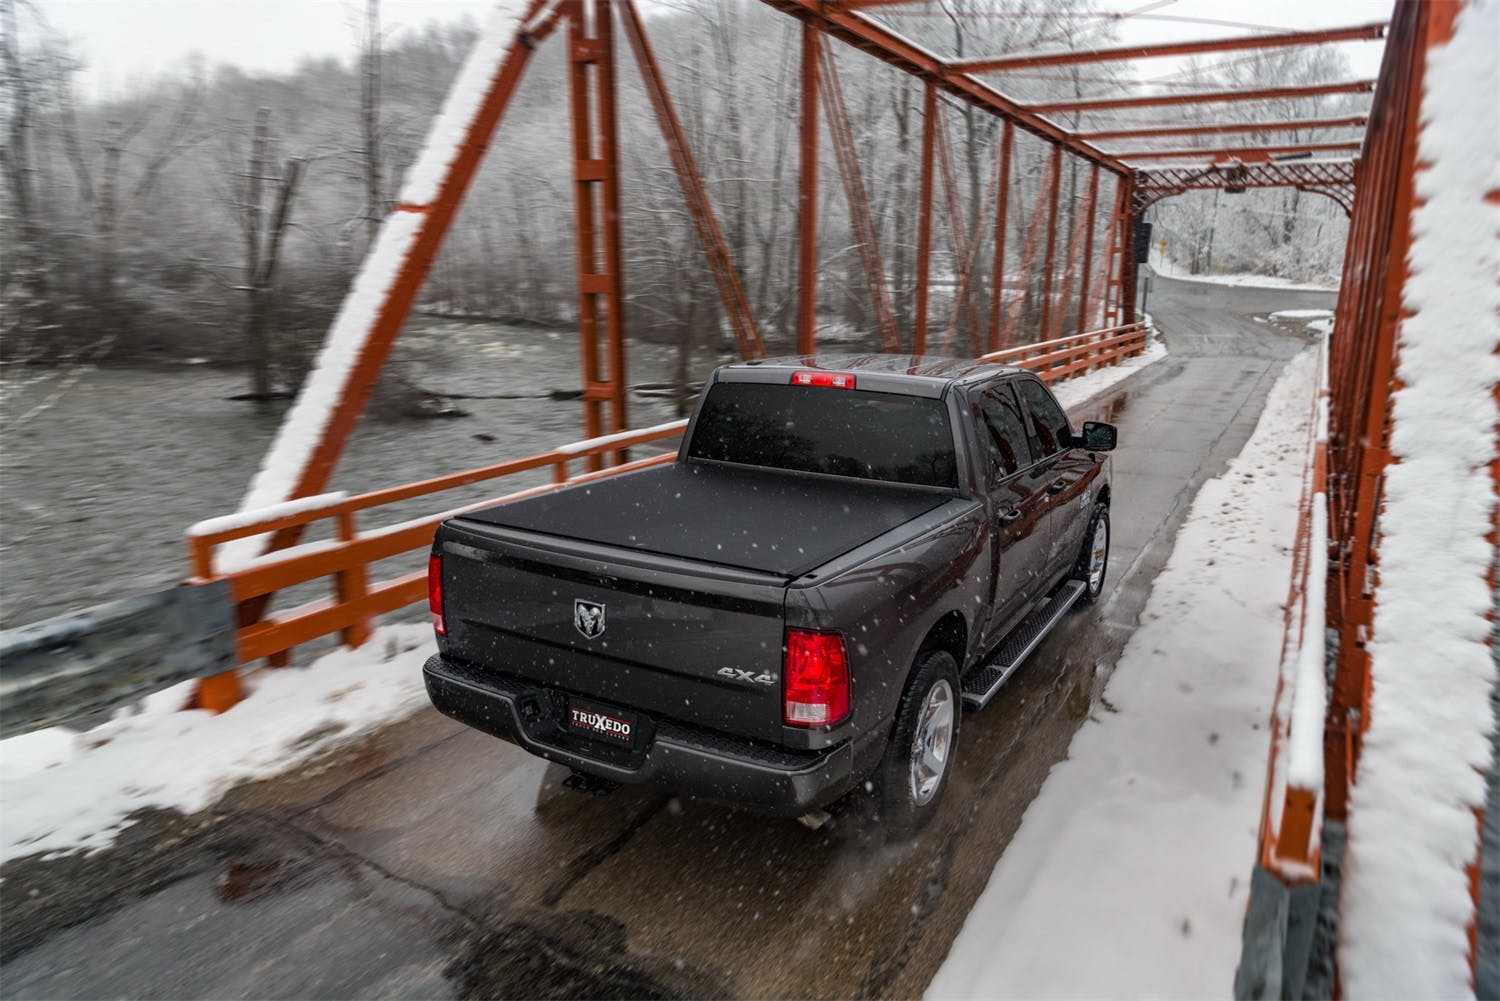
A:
<point x="932" y="743"/>
<point x="1098" y="553"/>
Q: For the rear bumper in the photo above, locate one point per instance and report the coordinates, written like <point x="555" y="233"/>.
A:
<point x="741" y="773"/>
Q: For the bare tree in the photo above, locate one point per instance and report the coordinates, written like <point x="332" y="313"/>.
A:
<point x="369" y="104"/>
<point x="263" y="233"/>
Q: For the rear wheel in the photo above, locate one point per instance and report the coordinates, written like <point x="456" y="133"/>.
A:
<point x="914" y="772"/>
<point x="1093" y="560"/>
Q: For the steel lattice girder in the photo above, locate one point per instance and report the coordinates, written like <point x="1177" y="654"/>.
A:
<point x="1334" y="178"/>
<point x="1073" y="57"/>
<point x="892" y="48"/>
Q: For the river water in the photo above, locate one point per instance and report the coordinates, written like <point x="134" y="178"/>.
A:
<point x="97" y="490"/>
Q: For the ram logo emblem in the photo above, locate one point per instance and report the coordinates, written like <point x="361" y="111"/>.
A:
<point x="588" y="618"/>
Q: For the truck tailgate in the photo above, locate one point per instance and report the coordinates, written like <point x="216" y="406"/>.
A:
<point x="690" y="642"/>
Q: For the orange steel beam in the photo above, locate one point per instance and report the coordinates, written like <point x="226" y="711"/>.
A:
<point x="1050" y="260"/>
<point x="596" y="190"/>
<point x="1113" y="278"/>
<point x="1224" y="128"/>
<point x="1288" y="39"/>
<point x="859" y="205"/>
<point x="1363" y="368"/>
<point x="924" y="217"/>
<point x="997" y="269"/>
<point x="1096" y="301"/>
<point x="1245" y="154"/>
<point x="715" y="246"/>
<point x="1128" y="267"/>
<point x="887" y="45"/>
<point x="1088" y="248"/>
<point x="1206" y="97"/>
<point x="807" y="202"/>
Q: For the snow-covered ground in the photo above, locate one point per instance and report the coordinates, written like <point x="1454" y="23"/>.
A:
<point x="1130" y="872"/>
<point x="1405" y="905"/>
<point x="62" y="790"/>
<point x="1168" y="268"/>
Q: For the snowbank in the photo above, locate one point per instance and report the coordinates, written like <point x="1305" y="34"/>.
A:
<point x="1130" y="872"/>
<point x="1301" y="314"/>
<point x="1167" y="268"/>
<point x="63" y="791"/>
<point x="1405" y="905"/>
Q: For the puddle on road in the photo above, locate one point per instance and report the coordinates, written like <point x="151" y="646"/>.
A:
<point x="567" y="954"/>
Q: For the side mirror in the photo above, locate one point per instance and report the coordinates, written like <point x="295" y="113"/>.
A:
<point x="1098" y="436"/>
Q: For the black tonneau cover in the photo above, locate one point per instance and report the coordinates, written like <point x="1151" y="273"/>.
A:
<point x="764" y="520"/>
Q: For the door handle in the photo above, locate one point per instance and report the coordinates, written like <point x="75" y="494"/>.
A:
<point x="1006" y="517"/>
<point x="1057" y="487"/>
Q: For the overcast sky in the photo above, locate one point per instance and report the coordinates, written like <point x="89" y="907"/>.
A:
<point x="122" y="41"/>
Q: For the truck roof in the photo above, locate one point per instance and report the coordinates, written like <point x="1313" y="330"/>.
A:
<point x="916" y="375"/>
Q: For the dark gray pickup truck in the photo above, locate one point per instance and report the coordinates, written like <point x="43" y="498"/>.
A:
<point x="845" y="549"/>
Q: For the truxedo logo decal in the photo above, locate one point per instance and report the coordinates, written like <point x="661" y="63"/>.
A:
<point x="588" y="618"/>
<point x="735" y="674"/>
<point x="600" y="723"/>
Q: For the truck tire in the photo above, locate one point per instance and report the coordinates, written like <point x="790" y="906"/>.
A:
<point x="1093" y="558"/>
<point x="919" y="758"/>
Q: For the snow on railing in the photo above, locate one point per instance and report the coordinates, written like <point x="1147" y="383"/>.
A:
<point x="1292" y="813"/>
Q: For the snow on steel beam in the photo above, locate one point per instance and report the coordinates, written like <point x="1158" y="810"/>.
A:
<point x="1223" y="128"/>
<point x="891" y="48"/>
<point x="1362" y="32"/>
<point x="312" y="436"/>
<point x="1207" y="97"/>
<point x="1244" y="154"/>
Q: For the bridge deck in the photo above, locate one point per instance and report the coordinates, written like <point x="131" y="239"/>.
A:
<point x="425" y="861"/>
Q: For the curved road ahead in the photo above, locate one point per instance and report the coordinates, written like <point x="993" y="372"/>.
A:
<point x="431" y="860"/>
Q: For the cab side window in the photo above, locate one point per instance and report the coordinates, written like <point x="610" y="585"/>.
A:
<point x="1053" y="430"/>
<point x="1004" y="431"/>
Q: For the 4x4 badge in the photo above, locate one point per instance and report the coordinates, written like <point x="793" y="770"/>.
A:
<point x="588" y="618"/>
<point x="735" y="674"/>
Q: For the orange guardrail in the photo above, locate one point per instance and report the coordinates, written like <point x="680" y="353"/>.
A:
<point x="1292" y="810"/>
<point x="1066" y="357"/>
<point x="345" y="559"/>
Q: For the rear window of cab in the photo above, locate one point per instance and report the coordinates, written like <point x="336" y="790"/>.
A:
<point x="841" y="432"/>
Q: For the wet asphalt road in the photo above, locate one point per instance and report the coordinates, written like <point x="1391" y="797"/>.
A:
<point x="431" y="860"/>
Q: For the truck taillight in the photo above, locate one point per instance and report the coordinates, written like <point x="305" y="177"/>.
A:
<point x="815" y="679"/>
<point x="833" y="380"/>
<point x="435" y="593"/>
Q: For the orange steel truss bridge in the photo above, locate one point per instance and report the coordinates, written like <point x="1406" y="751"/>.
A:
<point x="1367" y="166"/>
